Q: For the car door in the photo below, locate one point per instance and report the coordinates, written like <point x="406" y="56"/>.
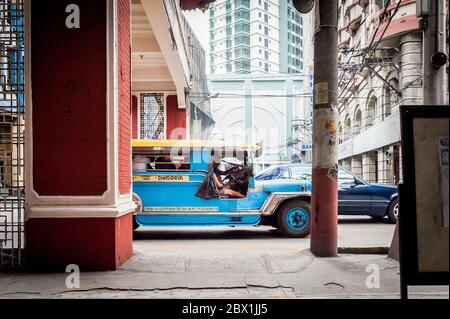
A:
<point x="354" y="194"/>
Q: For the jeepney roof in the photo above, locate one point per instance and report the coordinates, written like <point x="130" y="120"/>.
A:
<point x="194" y="144"/>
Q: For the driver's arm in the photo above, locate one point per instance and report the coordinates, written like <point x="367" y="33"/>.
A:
<point x="217" y="181"/>
<point x="228" y="171"/>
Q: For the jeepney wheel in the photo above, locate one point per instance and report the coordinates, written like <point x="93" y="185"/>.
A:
<point x="294" y="218"/>
<point x="138" y="209"/>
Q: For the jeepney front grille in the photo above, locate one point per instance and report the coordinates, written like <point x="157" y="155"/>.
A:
<point x="12" y="128"/>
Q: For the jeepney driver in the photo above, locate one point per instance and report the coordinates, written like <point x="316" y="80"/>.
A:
<point x="223" y="189"/>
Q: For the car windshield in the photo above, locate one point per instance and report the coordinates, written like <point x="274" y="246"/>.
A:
<point x="345" y="178"/>
<point x="268" y="173"/>
<point x="301" y="172"/>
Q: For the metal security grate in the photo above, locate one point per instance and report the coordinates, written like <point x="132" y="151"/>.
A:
<point x="152" y="116"/>
<point x="12" y="128"/>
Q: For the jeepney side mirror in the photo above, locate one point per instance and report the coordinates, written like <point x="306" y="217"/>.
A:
<point x="258" y="152"/>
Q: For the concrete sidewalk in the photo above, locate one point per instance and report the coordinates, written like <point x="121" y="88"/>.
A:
<point x="243" y="274"/>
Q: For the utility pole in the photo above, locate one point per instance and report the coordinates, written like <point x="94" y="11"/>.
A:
<point x="435" y="86"/>
<point x="325" y="151"/>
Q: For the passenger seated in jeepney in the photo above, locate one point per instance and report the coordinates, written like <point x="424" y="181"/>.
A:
<point x="164" y="163"/>
<point x="222" y="188"/>
<point x="142" y="164"/>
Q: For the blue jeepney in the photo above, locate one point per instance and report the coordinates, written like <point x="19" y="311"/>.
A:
<point x="167" y="176"/>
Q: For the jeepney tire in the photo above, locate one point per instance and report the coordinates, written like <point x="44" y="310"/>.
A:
<point x="294" y="218"/>
<point x="138" y="202"/>
<point x="135" y="223"/>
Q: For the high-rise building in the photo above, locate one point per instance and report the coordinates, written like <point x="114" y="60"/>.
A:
<point x="256" y="36"/>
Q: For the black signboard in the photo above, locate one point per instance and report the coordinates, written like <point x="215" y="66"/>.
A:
<point x="423" y="220"/>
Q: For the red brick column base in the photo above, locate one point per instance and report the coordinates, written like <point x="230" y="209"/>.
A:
<point x="94" y="244"/>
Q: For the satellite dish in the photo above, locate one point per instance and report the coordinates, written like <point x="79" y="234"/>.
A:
<point x="303" y="6"/>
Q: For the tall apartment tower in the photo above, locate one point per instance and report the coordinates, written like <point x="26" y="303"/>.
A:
<point x="256" y="36"/>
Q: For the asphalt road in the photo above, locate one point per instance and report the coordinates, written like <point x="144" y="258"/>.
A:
<point x="353" y="231"/>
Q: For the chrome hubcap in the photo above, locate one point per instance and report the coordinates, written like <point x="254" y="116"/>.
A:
<point x="396" y="210"/>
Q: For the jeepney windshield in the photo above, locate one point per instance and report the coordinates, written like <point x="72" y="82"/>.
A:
<point x="237" y="158"/>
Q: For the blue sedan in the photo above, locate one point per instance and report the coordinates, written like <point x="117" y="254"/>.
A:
<point x="356" y="196"/>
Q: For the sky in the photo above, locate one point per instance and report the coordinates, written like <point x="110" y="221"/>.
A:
<point x="199" y="22"/>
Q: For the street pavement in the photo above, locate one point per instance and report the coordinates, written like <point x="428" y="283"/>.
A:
<point x="224" y="262"/>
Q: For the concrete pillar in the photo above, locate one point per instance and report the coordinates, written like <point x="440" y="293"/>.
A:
<point x="381" y="166"/>
<point x="369" y="162"/>
<point x="78" y="150"/>
<point x="385" y="173"/>
<point x="357" y="166"/>
<point x="411" y="68"/>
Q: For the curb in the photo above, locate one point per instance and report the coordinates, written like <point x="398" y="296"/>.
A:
<point x="364" y="250"/>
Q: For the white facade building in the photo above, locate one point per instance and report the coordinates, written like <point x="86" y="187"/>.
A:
<point x="271" y="110"/>
<point x="374" y="83"/>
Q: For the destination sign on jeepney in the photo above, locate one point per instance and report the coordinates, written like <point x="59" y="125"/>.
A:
<point x="161" y="178"/>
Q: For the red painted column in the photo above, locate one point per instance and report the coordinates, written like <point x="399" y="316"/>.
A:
<point x="135" y="117"/>
<point x="78" y="173"/>
<point x="176" y="119"/>
<point x="324" y="203"/>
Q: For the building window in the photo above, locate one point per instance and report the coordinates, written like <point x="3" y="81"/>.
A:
<point x="348" y="128"/>
<point x="390" y="97"/>
<point x="243" y="14"/>
<point x="242" y="52"/>
<point x="242" y="3"/>
<point x="371" y="111"/>
<point x="357" y="122"/>
<point x="242" y="26"/>
<point x="242" y="40"/>
<point x="152" y="119"/>
<point x="242" y="66"/>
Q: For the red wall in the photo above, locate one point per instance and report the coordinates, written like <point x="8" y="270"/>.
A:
<point x="176" y="118"/>
<point x="69" y="78"/>
<point x="124" y="73"/>
<point x="135" y="116"/>
<point x="90" y="243"/>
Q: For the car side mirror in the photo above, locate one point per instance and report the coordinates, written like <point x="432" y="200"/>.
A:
<point x="357" y="182"/>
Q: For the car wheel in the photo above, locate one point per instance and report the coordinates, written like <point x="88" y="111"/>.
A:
<point x="394" y="210"/>
<point x="294" y="218"/>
